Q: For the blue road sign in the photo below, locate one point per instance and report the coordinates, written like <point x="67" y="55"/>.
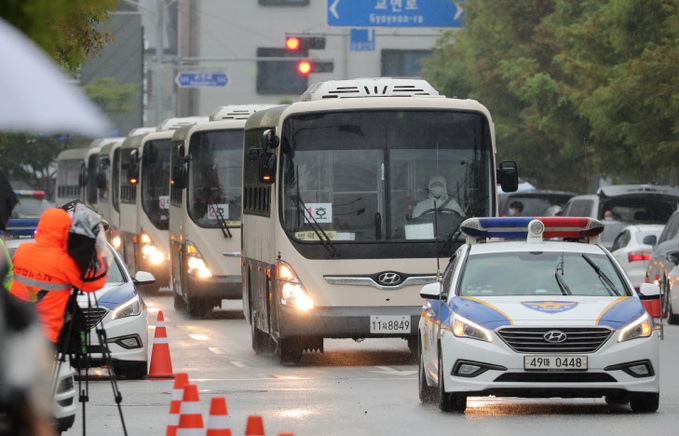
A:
<point x="194" y="80"/>
<point x="362" y="40"/>
<point x="396" y="13"/>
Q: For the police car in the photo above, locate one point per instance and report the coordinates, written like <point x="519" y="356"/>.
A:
<point x="535" y="307"/>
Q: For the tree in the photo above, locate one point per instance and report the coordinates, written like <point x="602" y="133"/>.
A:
<point x="585" y="87"/>
<point x="65" y="29"/>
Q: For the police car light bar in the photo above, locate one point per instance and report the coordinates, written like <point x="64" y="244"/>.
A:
<point x="518" y="227"/>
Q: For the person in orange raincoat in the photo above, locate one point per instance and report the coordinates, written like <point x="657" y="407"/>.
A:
<point x="44" y="273"/>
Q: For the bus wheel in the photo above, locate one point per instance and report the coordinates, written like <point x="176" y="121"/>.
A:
<point x="199" y="307"/>
<point x="289" y="351"/>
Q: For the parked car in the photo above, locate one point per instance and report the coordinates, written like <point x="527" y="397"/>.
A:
<point x="537" y="202"/>
<point x="660" y="264"/>
<point x="634" y="204"/>
<point x="672" y="291"/>
<point x="633" y="247"/>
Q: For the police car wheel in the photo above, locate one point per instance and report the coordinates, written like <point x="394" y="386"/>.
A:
<point x="427" y="393"/>
<point x="449" y="402"/>
<point x="644" y="402"/>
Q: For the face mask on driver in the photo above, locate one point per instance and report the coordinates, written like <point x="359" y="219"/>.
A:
<point x="437" y="190"/>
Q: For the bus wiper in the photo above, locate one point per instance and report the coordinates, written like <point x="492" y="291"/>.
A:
<point x="449" y="242"/>
<point x="220" y="217"/>
<point x="322" y="236"/>
<point x="559" y="279"/>
<point x="602" y="276"/>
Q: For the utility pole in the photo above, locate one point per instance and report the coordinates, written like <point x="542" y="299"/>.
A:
<point x="160" y="43"/>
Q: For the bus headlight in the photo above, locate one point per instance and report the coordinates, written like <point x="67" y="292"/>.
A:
<point x="291" y="289"/>
<point x="116" y="242"/>
<point x="150" y="251"/>
<point x="195" y="263"/>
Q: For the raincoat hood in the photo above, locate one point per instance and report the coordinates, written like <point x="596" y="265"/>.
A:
<point x="53" y="228"/>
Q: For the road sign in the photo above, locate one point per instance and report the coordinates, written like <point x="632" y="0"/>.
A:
<point x="395" y="13"/>
<point x="362" y="40"/>
<point x="194" y="80"/>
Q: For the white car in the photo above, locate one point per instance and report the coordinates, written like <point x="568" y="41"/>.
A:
<point x="535" y="316"/>
<point x="633" y="248"/>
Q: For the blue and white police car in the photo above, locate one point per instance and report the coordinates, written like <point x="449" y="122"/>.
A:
<point x="535" y="307"/>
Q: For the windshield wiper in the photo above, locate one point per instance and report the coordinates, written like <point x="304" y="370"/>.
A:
<point x="559" y="279"/>
<point x="322" y="236"/>
<point x="602" y="276"/>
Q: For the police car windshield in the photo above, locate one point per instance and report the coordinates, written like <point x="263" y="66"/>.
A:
<point x="508" y="274"/>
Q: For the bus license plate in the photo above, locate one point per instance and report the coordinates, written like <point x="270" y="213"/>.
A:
<point x="389" y="324"/>
<point x="555" y="362"/>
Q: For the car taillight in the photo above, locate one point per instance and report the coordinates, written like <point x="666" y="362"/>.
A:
<point x="635" y="256"/>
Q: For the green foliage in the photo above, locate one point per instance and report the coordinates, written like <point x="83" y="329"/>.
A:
<point x="576" y="87"/>
<point x="109" y="96"/>
<point x="65" y="29"/>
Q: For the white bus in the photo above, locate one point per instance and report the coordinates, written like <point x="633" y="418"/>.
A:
<point x="205" y="210"/>
<point x="340" y="226"/>
<point x="144" y="200"/>
<point x="108" y="179"/>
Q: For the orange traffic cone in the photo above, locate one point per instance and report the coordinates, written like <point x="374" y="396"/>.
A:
<point x="181" y="380"/>
<point x="190" y="416"/>
<point x="218" y="422"/>
<point x="255" y="426"/>
<point x="161" y="363"/>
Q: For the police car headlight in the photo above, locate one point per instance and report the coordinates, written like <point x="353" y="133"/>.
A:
<point x="464" y="328"/>
<point x="642" y="327"/>
<point x="131" y="307"/>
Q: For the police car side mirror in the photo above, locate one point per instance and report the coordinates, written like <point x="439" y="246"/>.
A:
<point x="508" y="176"/>
<point x="649" y="290"/>
<point x="431" y="291"/>
<point x="144" y="278"/>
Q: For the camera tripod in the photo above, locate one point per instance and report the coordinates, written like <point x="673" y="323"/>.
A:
<point x="81" y="356"/>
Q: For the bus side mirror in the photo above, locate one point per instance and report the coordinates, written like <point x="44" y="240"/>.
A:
<point x="179" y="177"/>
<point x="508" y="176"/>
<point x="101" y="180"/>
<point x="253" y="153"/>
<point x="267" y="168"/>
<point x="269" y="140"/>
<point x="181" y="151"/>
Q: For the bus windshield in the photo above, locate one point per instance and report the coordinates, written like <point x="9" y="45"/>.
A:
<point x="69" y="178"/>
<point x="384" y="175"/>
<point x="155" y="182"/>
<point x="215" y="171"/>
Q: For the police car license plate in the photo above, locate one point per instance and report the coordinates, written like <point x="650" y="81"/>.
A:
<point x="555" y="362"/>
<point x="383" y="324"/>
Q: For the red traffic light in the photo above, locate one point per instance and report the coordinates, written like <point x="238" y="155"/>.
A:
<point x="292" y="43"/>
<point x="304" y="67"/>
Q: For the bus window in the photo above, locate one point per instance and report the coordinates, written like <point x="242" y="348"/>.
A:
<point x="359" y="175"/>
<point x="215" y="177"/>
<point x="155" y="183"/>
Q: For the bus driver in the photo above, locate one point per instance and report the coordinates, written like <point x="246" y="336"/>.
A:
<point x="438" y="198"/>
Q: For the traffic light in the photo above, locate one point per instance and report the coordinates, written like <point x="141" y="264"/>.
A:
<point x="307" y="66"/>
<point x="304" y="42"/>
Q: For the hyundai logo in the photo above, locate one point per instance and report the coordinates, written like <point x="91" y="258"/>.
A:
<point x="555" y="336"/>
<point x="389" y="279"/>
